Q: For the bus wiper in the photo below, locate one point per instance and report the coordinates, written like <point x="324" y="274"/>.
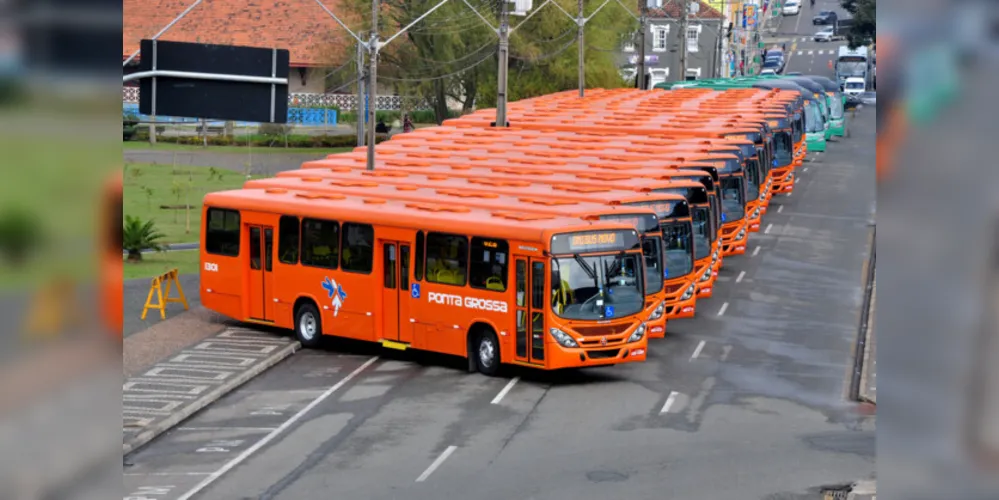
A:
<point x="586" y="267"/>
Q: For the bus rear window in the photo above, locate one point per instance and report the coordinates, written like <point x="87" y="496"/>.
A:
<point x="222" y="232"/>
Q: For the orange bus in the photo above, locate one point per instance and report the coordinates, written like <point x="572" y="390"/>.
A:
<point x="678" y="297"/>
<point x="495" y="287"/>
<point x="112" y="263"/>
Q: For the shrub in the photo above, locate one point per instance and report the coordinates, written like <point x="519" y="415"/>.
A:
<point x="138" y="236"/>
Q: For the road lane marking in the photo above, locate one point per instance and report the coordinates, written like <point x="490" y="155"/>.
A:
<point x="697" y="352"/>
<point x="723" y="308"/>
<point x="136" y="474"/>
<point x="800" y="52"/>
<point x="756" y="251"/>
<point x="742" y="274"/>
<point x="780" y="209"/>
<point x="437" y="463"/>
<point x="769" y="227"/>
<point x="810" y="52"/>
<point x="804" y="169"/>
<point x="797" y="180"/>
<point x="226" y="429"/>
<point x="669" y="402"/>
<point x="506" y="389"/>
<point x="275" y="433"/>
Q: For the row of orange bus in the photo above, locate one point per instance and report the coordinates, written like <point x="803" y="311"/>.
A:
<point x="566" y="239"/>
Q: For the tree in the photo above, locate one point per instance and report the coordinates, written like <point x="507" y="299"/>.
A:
<point x="20" y="233"/>
<point x="138" y="236"/>
<point x="865" y="22"/>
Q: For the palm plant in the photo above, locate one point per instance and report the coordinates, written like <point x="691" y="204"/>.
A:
<point x="138" y="236"/>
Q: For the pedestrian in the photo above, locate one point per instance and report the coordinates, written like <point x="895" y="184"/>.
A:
<point x="742" y="68"/>
<point x="407" y="124"/>
<point x="783" y="47"/>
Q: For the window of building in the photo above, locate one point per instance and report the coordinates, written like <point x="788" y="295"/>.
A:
<point x="288" y="239"/>
<point x="693" y="73"/>
<point x="447" y="259"/>
<point x="358" y="248"/>
<point x="222" y="232"/>
<point x="693" y="35"/>
<point x="629" y="46"/>
<point x="660" y="37"/>
<point x="320" y="243"/>
<point x="654" y="4"/>
<point x="489" y="264"/>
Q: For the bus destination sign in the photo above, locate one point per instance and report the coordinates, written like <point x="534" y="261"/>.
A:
<point x="643" y="223"/>
<point x="594" y="241"/>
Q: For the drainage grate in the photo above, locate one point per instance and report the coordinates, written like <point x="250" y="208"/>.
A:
<point x="835" y="494"/>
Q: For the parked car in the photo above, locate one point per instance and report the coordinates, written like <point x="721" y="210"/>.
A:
<point x="772" y="65"/>
<point x="825" y="34"/>
<point x="824" y="17"/>
<point x="792" y="8"/>
<point x="767" y="71"/>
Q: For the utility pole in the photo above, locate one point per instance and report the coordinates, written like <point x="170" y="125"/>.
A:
<point x="642" y="27"/>
<point x="685" y="11"/>
<point x="372" y="83"/>
<point x="359" y="106"/>
<point x="719" y="57"/>
<point x="504" y="57"/>
<point x="581" y="22"/>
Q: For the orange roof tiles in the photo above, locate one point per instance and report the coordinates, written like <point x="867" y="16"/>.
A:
<point x="301" y="26"/>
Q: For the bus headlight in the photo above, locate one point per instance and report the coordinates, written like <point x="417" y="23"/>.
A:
<point x="756" y="213"/>
<point x="706" y="276"/>
<point x="689" y="293"/>
<point x="562" y="338"/>
<point x="741" y="235"/>
<point x="658" y="313"/>
<point x="639" y="333"/>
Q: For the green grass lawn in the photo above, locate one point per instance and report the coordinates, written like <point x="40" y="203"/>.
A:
<point x="166" y="146"/>
<point x="154" y="264"/>
<point x="147" y="187"/>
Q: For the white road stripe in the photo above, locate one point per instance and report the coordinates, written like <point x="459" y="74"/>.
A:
<point x="810" y="52"/>
<point x="800" y="52"/>
<point x="273" y="434"/>
<point x="742" y="274"/>
<point x="437" y="463"/>
<point x="506" y="389"/>
<point x="756" y="251"/>
<point x="804" y="169"/>
<point x="697" y="352"/>
<point x="769" y="227"/>
<point x="669" y="402"/>
<point x="780" y="209"/>
<point x="724" y="307"/>
<point x="136" y="474"/>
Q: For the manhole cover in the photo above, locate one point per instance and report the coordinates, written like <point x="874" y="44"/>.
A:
<point x="606" y="476"/>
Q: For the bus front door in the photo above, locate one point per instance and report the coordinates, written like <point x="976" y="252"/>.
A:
<point x="261" y="273"/>
<point x="397" y="321"/>
<point x="530" y="310"/>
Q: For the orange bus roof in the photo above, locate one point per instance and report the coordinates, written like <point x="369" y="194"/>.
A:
<point x="507" y="224"/>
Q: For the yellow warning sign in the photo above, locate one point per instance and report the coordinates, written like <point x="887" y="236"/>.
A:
<point x="156" y="288"/>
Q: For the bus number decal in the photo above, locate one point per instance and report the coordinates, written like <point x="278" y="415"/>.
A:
<point x="467" y="302"/>
<point x="211" y="267"/>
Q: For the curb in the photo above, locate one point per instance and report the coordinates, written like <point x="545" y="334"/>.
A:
<point x="866" y="372"/>
<point x="166" y="424"/>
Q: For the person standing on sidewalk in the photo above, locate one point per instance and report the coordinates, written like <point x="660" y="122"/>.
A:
<point x="407" y="124"/>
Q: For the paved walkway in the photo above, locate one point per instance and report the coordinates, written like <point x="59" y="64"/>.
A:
<point x="164" y="394"/>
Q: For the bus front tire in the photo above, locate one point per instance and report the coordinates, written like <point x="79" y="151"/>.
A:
<point x="308" y="326"/>
<point x="486" y="352"/>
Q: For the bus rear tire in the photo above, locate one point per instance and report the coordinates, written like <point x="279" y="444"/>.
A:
<point x="308" y="325"/>
<point x="487" y="352"/>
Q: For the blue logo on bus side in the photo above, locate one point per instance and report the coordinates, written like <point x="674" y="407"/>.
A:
<point x="608" y="311"/>
<point x="414" y="291"/>
<point x="723" y="217"/>
<point x="665" y="273"/>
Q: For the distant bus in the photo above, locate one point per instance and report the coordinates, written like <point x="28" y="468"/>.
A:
<point x="853" y="63"/>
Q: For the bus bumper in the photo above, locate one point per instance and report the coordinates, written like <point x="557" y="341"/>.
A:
<point x="754" y="208"/>
<point x="706" y="278"/>
<point x="785" y="181"/>
<point x="815" y="141"/>
<point x="561" y="357"/>
<point x="734" y="243"/>
<point x="838" y="127"/>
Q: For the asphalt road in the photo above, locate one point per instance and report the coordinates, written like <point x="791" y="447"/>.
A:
<point x="745" y="401"/>
<point x="805" y="55"/>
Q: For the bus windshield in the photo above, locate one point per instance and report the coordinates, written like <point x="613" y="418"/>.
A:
<point x="813" y="123"/>
<point x="651" y="249"/>
<point x="753" y="179"/>
<point x="733" y="201"/>
<point x="783" y="148"/>
<point x="851" y="66"/>
<point x="677" y="244"/>
<point x="594" y="287"/>
<point x="702" y="232"/>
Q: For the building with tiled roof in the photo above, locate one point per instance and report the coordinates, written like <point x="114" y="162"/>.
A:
<point x="312" y="37"/>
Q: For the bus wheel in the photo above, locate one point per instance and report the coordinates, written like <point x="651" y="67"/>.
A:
<point x="487" y="353"/>
<point x="308" y="325"/>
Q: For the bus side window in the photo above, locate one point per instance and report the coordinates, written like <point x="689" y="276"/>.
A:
<point x="447" y="259"/>
<point x="358" y="248"/>
<point x="222" y="232"/>
<point x="320" y="243"/>
<point x="489" y="264"/>
<point x="418" y="265"/>
<point x="288" y="241"/>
